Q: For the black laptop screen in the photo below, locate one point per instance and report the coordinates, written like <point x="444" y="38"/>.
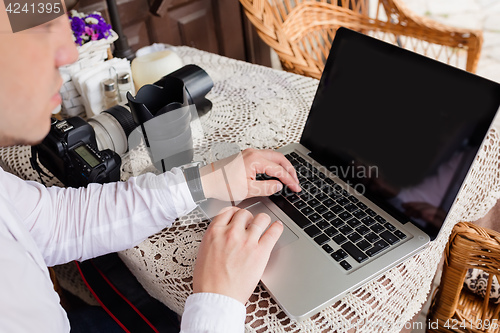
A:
<point x="403" y="129"/>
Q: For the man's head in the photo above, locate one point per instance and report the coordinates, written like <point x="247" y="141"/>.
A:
<point x="29" y="77"/>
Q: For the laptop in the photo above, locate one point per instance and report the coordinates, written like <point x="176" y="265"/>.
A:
<point x="388" y="143"/>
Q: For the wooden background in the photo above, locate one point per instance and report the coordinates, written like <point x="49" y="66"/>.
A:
<point x="217" y="26"/>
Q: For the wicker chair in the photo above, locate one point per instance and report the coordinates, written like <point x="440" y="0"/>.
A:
<point x="301" y="31"/>
<point x="454" y="308"/>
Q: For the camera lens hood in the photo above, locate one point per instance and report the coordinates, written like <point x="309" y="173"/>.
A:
<point x="197" y="82"/>
<point x="150" y="99"/>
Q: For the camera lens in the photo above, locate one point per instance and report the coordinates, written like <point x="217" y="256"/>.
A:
<point x="112" y="128"/>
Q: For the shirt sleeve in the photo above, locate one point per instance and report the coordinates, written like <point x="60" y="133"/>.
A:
<point x="213" y="313"/>
<point x="77" y="224"/>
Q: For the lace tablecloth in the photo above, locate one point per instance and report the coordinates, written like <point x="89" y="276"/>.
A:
<point x="255" y="106"/>
<point x="259" y="107"/>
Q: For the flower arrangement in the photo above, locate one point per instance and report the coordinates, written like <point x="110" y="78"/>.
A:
<point x="88" y="27"/>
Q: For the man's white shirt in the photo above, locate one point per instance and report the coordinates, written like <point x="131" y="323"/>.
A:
<point x="42" y="227"/>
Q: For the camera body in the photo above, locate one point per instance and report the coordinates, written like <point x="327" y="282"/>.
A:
<point x="70" y="152"/>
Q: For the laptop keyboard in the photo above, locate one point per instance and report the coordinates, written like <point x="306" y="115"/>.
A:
<point x="337" y="221"/>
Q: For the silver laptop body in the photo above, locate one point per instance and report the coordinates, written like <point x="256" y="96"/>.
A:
<point x="304" y="279"/>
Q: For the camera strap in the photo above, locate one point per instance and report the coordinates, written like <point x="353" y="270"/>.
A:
<point x="123" y="297"/>
<point x="35" y="165"/>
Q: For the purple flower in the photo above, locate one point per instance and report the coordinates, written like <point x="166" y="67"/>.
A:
<point x="78" y="27"/>
<point x="101" y="27"/>
<point x="88" y="27"/>
<point x="91" y="33"/>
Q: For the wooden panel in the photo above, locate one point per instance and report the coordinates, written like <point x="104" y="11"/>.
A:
<point x="137" y="35"/>
<point x="197" y="28"/>
<point x="212" y="25"/>
<point x="257" y="52"/>
<point x="191" y="25"/>
<point x="132" y="12"/>
<point x="224" y="16"/>
<point x="160" y="7"/>
<point x="229" y="28"/>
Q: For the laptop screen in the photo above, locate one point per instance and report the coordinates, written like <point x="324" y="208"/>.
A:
<point x="401" y="128"/>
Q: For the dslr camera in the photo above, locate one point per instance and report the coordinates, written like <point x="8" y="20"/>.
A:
<point x="79" y="152"/>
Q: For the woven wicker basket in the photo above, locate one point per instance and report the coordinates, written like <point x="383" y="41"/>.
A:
<point x="301" y="31"/>
<point x="454" y="308"/>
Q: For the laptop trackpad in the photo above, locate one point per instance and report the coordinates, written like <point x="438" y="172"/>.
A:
<point x="286" y="237"/>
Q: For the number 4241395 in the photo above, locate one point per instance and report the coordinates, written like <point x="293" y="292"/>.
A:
<point x="486" y="324"/>
<point x="32" y="8"/>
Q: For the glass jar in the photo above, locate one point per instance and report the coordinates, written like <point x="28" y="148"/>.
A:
<point x="125" y="85"/>
<point x="110" y="93"/>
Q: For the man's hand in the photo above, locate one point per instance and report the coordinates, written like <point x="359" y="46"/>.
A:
<point x="234" y="178"/>
<point x="234" y="252"/>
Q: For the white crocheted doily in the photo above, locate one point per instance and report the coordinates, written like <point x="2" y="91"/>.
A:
<point x="259" y="107"/>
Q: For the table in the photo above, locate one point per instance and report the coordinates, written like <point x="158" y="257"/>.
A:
<point x="259" y="107"/>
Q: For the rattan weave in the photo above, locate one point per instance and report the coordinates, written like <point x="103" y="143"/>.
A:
<point x="454" y="308"/>
<point x="301" y="31"/>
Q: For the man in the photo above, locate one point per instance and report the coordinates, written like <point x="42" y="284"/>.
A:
<point x="41" y="227"/>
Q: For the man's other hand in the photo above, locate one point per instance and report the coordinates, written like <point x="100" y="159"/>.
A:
<point x="234" y="253"/>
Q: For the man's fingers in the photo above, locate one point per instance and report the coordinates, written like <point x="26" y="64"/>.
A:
<point x="285" y="163"/>
<point x="271" y="236"/>
<point x="258" y="225"/>
<point x="264" y="188"/>
<point x="241" y="219"/>
<point x="224" y="216"/>
<point x="279" y="159"/>
<point x="276" y="170"/>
